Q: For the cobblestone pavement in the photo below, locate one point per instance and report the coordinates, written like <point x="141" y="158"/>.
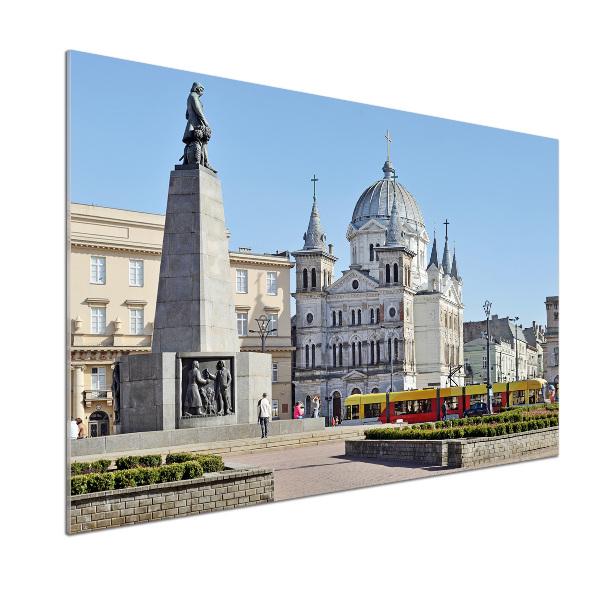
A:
<point x="324" y="468"/>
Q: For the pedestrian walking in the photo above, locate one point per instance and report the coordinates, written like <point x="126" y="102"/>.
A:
<point x="74" y="429"/>
<point x="82" y="429"/>
<point x="444" y="411"/>
<point x="264" y="413"/>
<point x="316" y="406"/>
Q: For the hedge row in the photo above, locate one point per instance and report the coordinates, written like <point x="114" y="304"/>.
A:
<point x="514" y="416"/>
<point x="127" y="478"/>
<point x="210" y="463"/>
<point x="101" y="466"/>
<point x="416" y="433"/>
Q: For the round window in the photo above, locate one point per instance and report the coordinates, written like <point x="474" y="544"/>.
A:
<point x="355" y="284"/>
<point x="392" y="312"/>
<point x="309" y="318"/>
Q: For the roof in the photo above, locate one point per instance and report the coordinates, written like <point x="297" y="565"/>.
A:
<point x="376" y="201"/>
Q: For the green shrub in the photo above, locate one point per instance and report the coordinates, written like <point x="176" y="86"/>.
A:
<point x="212" y="463"/>
<point x="179" y="457"/>
<point x="147" y="475"/>
<point x="151" y="460"/>
<point x="439" y="424"/>
<point x="101" y="465"/>
<point x="78" y="467"/>
<point x="125" y="478"/>
<point x="172" y="472"/>
<point x="127" y="462"/>
<point x="459" y="432"/>
<point x="192" y="469"/>
<point x="100" y="482"/>
<point x="78" y="485"/>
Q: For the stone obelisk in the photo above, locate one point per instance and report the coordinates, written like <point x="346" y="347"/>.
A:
<point x="195" y="307"/>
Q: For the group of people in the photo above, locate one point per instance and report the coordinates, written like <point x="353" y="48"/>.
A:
<point x="78" y="429"/>
<point x="315" y="408"/>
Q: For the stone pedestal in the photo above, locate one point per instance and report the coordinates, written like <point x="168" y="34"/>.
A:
<point x="195" y="309"/>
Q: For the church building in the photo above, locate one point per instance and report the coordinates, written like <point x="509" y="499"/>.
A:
<point x="392" y="318"/>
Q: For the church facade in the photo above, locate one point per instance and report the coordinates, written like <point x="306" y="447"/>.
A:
<point x="391" y="319"/>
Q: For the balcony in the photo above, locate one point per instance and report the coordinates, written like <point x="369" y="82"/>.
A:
<point x="91" y="396"/>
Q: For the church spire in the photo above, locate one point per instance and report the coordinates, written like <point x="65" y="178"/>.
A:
<point x="393" y="234"/>
<point x="446" y="256"/>
<point x="314" y="238"/>
<point x="454" y="271"/>
<point x="433" y="260"/>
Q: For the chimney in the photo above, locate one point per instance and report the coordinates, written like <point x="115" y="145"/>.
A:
<point x="330" y="248"/>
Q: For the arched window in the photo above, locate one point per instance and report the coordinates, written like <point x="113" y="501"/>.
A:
<point x="340" y="318"/>
<point x="306" y="356"/>
<point x="360" y="353"/>
<point x="372" y="316"/>
<point x="372" y="352"/>
<point x="378" y="352"/>
<point x="356" y="391"/>
<point x="395" y="273"/>
<point x="353" y="317"/>
<point x="390" y="349"/>
<point x="375" y="390"/>
<point x="353" y="354"/>
<point x="407" y="276"/>
<point x="333" y="318"/>
<point x="334" y="356"/>
<point x="340" y="355"/>
<point x="304" y="278"/>
<point x="378" y="319"/>
<point x="371" y="253"/>
<point x="395" y="348"/>
<point x="387" y="273"/>
<point x="313" y="356"/>
<point x="359" y="316"/>
<point x="313" y="278"/>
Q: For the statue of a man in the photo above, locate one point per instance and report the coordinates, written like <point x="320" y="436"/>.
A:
<point x="197" y="130"/>
<point x="193" y="404"/>
<point x="222" y="383"/>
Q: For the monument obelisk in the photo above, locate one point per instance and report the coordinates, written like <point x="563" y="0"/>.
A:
<point x="195" y="376"/>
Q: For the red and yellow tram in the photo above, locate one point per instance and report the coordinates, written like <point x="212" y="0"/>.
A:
<point x="417" y="406"/>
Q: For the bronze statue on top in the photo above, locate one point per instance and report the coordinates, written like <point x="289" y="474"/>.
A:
<point x="197" y="130"/>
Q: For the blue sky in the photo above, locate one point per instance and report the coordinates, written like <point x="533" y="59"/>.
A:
<point x="498" y="189"/>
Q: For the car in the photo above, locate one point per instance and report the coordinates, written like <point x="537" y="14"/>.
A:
<point x="479" y="409"/>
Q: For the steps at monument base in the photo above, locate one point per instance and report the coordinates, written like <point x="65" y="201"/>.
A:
<point x="247" y="445"/>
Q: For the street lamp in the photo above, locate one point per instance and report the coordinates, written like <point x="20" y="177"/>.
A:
<point x="516" y="350"/>
<point x="391" y="372"/>
<point x="487" y="307"/>
<point x="263" y="329"/>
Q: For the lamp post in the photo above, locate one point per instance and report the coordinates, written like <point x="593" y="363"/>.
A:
<point x="487" y="307"/>
<point x="263" y="329"/>
<point x="516" y="349"/>
<point x="391" y="371"/>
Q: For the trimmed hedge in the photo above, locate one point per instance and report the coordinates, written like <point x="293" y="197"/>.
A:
<point x="128" y="478"/>
<point x="131" y="462"/>
<point x="209" y="462"/>
<point x="469" y="431"/>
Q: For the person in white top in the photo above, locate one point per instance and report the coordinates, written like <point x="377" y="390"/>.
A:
<point x="74" y="429"/>
<point x="316" y="406"/>
<point x="264" y="412"/>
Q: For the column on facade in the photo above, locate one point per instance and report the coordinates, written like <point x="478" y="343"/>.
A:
<point x="77" y="398"/>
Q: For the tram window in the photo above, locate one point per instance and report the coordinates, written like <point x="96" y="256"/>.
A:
<point x="347" y="413"/>
<point x="519" y="397"/>
<point x="452" y="402"/>
<point x="372" y="410"/>
<point x="531" y="396"/>
<point x="497" y="399"/>
<point x="478" y="398"/>
<point x="406" y="407"/>
<point x="355" y="408"/>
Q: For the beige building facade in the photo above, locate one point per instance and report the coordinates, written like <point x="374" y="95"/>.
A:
<point x="114" y="268"/>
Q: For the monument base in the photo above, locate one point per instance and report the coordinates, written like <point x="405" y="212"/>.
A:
<point x="152" y="392"/>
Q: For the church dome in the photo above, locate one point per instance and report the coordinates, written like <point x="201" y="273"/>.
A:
<point x="376" y="202"/>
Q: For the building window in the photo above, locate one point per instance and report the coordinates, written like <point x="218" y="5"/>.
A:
<point x="334" y="353"/>
<point x="353" y="354"/>
<point x="340" y="355"/>
<point x="359" y="316"/>
<point x="136" y="273"/>
<point x="304" y="278"/>
<point x="272" y="325"/>
<point x="395" y="348"/>
<point x="378" y="316"/>
<point x="309" y="318"/>
<point x="98" y="379"/>
<point x="242" y="324"/>
<point x="353" y="317"/>
<point x="241" y="281"/>
<point x="98" y="270"/>
<point x="395" y="273"/>
<point x="274" y="373"/>
<point x="387" y="273"/>
<point x="360" y="353"/>
<point x="378" y="352"/>
<point x="372" y="316"/>
<point x="371" y="253"/>
<point x="272" y="284"/>
<point x="306" y="356"/>
<point x="392" y="312"/>
<point x="556" y="357"/>
<point x="340" y="318"/>
<point x="313" y="278"/>
<point x="99" y="320"/>
<point x="136" y="321"/>
<point x="372" y="352"/>
<point x="484" y="362"/>
<point x="333" y="318"/>
<point x="313" y="355"/>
